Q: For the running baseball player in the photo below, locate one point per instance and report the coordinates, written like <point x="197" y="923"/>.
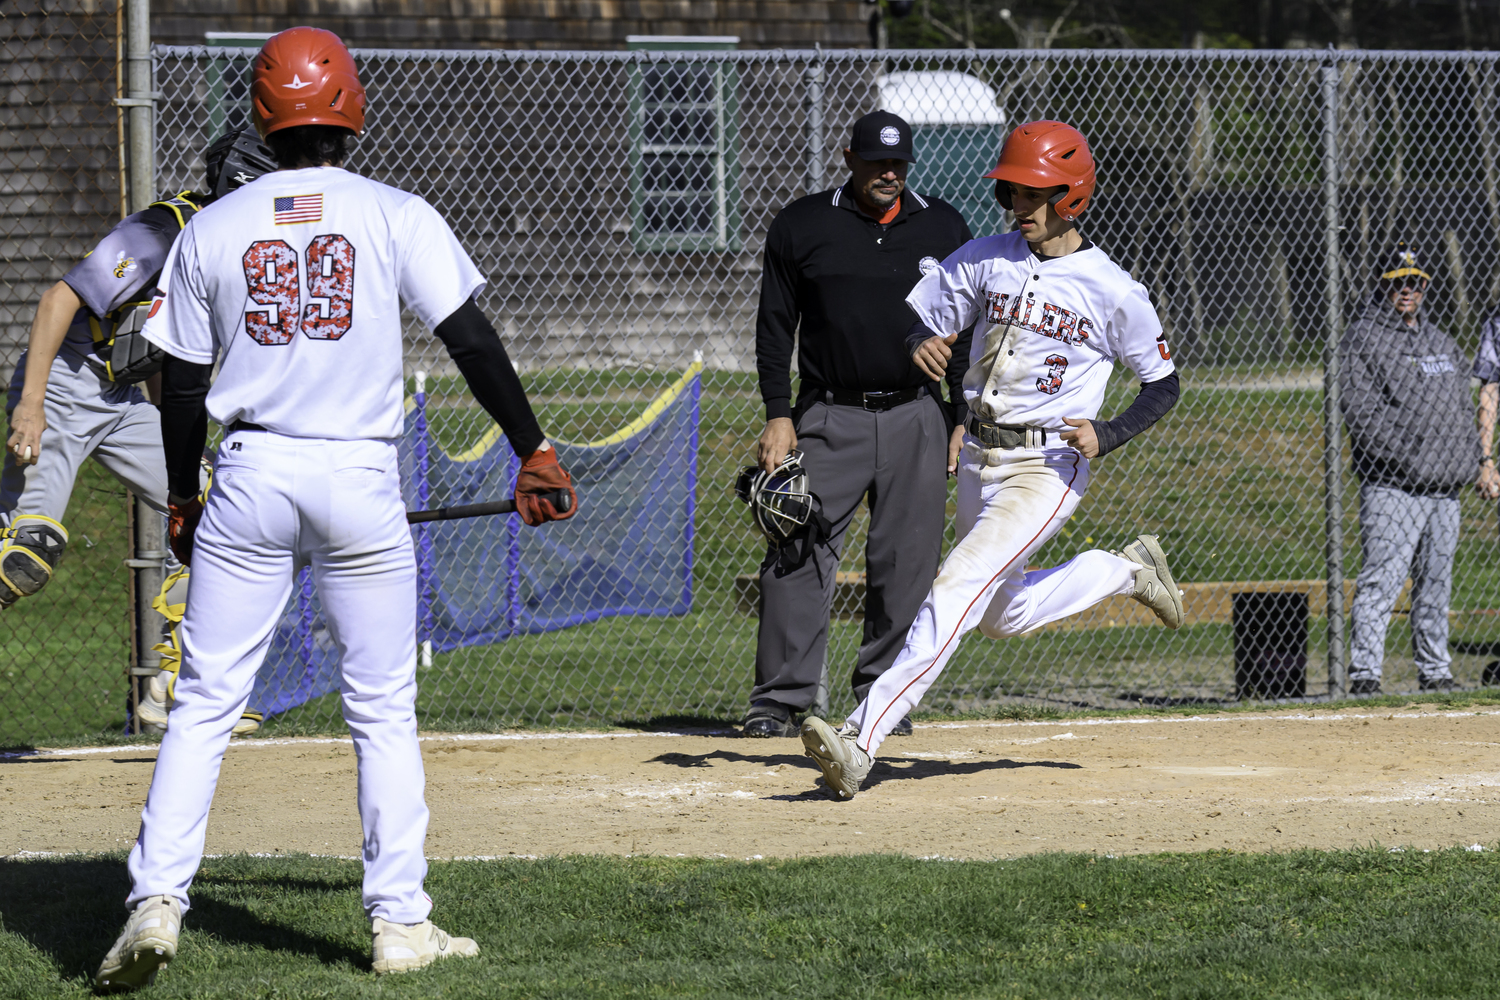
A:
<point x="294" y="285"/>
<point x="76" y="391"/>
<point x="1054" y="313"/>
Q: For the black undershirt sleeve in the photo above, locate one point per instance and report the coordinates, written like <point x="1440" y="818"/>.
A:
<point x="1149" y="406"/>
<point x="958" y="408"/>
<point x="475" y="347"/>
<point x="184" y="422"/>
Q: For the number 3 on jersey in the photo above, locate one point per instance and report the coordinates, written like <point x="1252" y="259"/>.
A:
<point x="274" y="284"/>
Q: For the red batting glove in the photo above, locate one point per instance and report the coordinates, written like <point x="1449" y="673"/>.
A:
<point x="540" y="474"/>
<point x="182" y="522"/>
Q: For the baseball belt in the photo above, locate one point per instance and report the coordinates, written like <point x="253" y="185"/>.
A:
<point x="875" y="401"/>
<point x="992" y="435"/>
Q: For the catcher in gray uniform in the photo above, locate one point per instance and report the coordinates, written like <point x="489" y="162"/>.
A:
<point x="76" y="391"/>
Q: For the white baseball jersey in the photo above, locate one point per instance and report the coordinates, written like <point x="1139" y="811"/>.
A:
<point x="1048" y="331"/>
<point x="289" y="280"/>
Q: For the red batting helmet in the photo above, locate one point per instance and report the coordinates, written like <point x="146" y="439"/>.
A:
<point x="305" y="76"/>
<point x="1043" y="155"/>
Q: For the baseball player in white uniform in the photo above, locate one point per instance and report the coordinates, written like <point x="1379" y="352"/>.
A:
<point x="294" y="286"/>
<point x="1053" y="315"/>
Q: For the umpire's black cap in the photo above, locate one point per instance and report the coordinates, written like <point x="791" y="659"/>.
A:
<point x="881" y="135"/>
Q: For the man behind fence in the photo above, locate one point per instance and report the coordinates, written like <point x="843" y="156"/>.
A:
<point x="1487" y="371"/>
<point x="1404" y="391"/>
<point x="868" y="423"/>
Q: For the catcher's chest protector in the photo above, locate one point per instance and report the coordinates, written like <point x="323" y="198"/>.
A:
<point x="124" y="356"/>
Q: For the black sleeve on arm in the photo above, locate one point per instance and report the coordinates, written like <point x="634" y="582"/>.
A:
<point x="776" y="325"/>
<point x="957" y="365"/>
<point x="184" y="422"/>
<point x="1149" y="406"/>
<point x="475" y="347"/>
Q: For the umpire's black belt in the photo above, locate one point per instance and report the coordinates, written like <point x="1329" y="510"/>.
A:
<point x="992" y="435"/>
<point x="864" y="400"/>
<point x="244" y="425"/>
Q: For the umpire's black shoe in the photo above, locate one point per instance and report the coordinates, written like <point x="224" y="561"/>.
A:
<point x="768" y="718"/>
<point x="903" y="728"/>
<point x="1436" y="684"/>
<point x="1364" y="685"/>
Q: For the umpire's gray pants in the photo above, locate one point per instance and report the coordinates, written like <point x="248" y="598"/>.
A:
<point x="86" y="417"/>
<point x="899" y="459"/>
<point x="1401" y="532"/>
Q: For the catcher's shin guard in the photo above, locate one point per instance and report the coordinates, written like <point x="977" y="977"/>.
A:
<point x="30" y="547"/>
<point x="156" y="700"/>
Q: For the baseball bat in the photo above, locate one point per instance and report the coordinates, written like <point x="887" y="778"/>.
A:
<point x="561" y="500"/>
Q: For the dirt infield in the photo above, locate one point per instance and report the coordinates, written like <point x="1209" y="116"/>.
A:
<point x="1415" y="777"/>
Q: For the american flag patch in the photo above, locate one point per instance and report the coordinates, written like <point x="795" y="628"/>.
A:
<point x="299" y="208"/>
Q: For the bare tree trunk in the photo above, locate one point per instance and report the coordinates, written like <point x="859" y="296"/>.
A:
<point x="1283" y="288"/>
<point x="1341" y="13"/>
<point x="1201" y="142"/>
<point x="1463" y="317"/>
<point x="1483" y="82"/>
<point x="1398" y="165"/>
<point x="1195" y="179"/>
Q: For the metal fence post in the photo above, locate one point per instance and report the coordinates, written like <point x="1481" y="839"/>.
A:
<point x="814" y="102"/>
<point x="1333" y="454"/>
<point x="146" y="562"/>
<point x="816" y="168"/>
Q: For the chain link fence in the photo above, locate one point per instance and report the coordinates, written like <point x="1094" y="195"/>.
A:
<point x="63" y="656"/>
<point x="617" y="202"/>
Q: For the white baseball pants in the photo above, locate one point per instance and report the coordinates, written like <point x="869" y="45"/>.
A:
<point x="1011" y="501"/>
<point x="279" y="503"/>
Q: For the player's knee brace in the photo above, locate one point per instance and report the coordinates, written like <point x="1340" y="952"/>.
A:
<point x="30" y="547"/>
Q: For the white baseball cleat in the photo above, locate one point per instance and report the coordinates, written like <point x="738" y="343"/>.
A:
<point x="406" y="947"/>
<point x="844" y="765"/>
<point x="156" y="702"/>
<point x="248" y="725"/>
<point x="146" y="945"/>
<point x="1154" y="586"/>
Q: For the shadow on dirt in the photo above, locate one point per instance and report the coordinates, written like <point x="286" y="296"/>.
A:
<point x="729" y="756"/>
<point x="908" y="770"/>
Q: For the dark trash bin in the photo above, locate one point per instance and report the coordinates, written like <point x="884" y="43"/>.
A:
<point x="1270" y="645"/>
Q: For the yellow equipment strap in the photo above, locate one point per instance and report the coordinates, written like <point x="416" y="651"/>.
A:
<point x="181" y="206"/>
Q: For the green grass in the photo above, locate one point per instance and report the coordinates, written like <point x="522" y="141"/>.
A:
<point x="64" y="654"/>
<point x="1361" y="924"/>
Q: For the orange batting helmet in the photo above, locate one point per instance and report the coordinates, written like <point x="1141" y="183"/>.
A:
<point x="305" y="76"/>
<point x="1047" y="154"/>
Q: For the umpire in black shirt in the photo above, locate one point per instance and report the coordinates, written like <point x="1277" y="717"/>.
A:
<point x="868" y="422"/>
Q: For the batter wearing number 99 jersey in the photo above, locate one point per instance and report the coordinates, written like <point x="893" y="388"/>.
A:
<point x="1053" y="315"/>
<point x="294" y="286"/>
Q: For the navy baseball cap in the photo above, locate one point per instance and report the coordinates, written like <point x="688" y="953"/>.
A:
<point x="1401" y="263"/>
<point x="881" y="135"/>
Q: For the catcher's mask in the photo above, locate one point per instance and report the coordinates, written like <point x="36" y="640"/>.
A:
<point x="780" y="501"/>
